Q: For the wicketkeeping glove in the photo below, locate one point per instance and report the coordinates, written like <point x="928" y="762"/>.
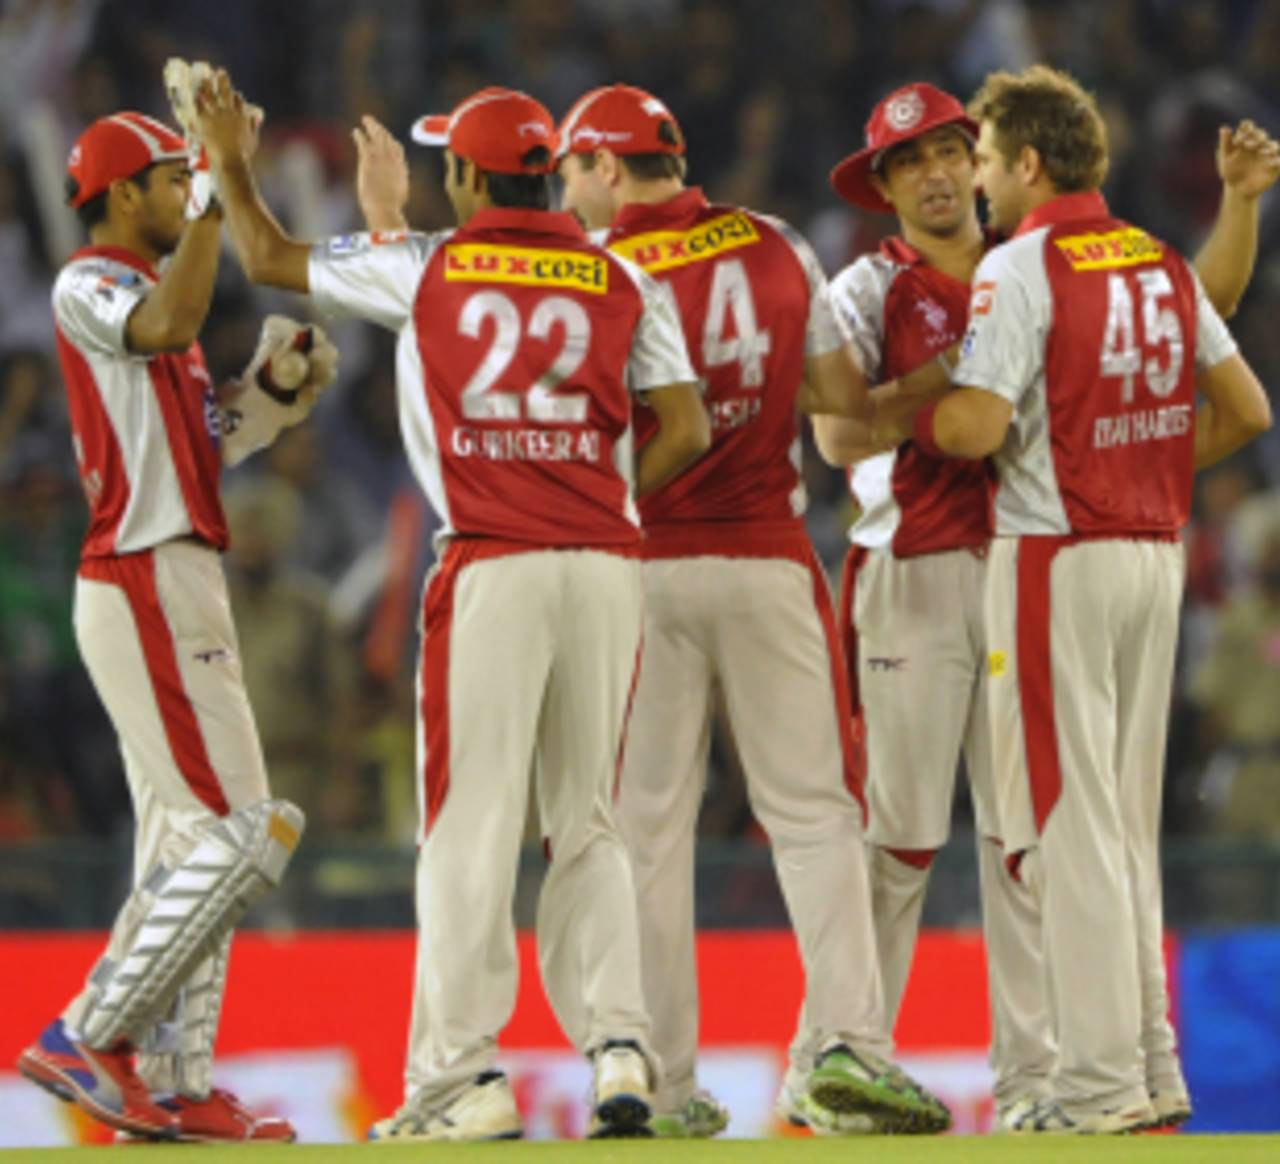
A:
<point x="182" y="81"/>
<point x="291" y="366"/>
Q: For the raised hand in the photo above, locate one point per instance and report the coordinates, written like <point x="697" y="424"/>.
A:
<point x="1248" y="159"/>
<point x="382" y="175"/>
<point x="227" y="125"/>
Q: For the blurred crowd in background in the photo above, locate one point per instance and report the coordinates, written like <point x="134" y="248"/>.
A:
<point x="332" y="537"/>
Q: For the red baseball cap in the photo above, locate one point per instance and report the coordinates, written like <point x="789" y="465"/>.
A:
<point x="621" y="118"/>
<point x="905" y="114"/>
<point x="118" y="147"/>
<point x="494" y="128"/>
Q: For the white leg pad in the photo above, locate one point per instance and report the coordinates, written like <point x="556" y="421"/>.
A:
<point x="186" y="908"/>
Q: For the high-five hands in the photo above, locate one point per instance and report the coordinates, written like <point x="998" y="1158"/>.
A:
<point x="1248" y="159"/>
<point x="382" y="175"/>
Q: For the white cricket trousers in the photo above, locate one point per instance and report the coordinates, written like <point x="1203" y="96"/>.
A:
<point x="527" y="664"/>
<point x="156" y="635"/>
<point x="763" y="631"/>
<point x="1082" y="635"/>
<point x="916" y="641"/>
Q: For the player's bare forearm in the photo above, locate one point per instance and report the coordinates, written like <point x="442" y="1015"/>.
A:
<point x="886" y="424"/>
<point x="1248" y="162"/>
<point x="842" y="442"/>
<point x="1225" y="261"/>
<point x="266" y="252"/>
<point x="684" y="434"/>
<point x="834" y="385"/>
<point x="1235" y="411"/>
<point x="170" y="318"/>
<point x="968" y="423"/>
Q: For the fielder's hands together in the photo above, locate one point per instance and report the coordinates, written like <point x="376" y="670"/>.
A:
<point x="1248" y="159"/>
<point x="292" y="365"/>
<point x="382" y="176"/>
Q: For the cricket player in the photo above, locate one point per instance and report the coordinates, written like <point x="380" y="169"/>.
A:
<point x="520" y="344"/>
<point x="911" y="606"/>
<point x="736" y="599"/>
<point x="1087" y="343"/>
<point x="154" y="627"/>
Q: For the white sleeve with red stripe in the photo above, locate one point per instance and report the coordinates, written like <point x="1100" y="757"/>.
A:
<point x="92" y="302"/>
<point x="1010" y="313"/>
<point x="370" y="276"/>
<point x="658" y="355"/>
<point x="115" y="407"/>
<point x="1214" y="342"/>
<point x="859" y="293"/>
<point x="825" y="331"/>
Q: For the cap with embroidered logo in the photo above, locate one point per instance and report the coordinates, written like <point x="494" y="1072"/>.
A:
<point x="494" y="129"/>
<point x="119" y="146"/>
<point x="620" y="118"/>
<point x="904" y="115"/>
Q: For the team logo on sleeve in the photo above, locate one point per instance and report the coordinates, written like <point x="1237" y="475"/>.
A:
<point x="346" y="244"/>
<point x="661" y="250"/>
<point x="1130" y="247"/>
<point x="529" y="266"/>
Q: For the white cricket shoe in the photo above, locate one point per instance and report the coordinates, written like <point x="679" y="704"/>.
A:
<point x="622" y="1098"/>
<point x="1010" y="1111"/>
<point x="483" y="1110"/>
<point x="1171" y="1108"/>
<point x="1047" y="1116"/>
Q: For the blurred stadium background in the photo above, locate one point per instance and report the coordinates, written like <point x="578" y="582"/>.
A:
<point x="332" y="537"/>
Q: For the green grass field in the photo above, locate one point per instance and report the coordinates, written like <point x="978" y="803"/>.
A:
<point x="877" y="1150"/>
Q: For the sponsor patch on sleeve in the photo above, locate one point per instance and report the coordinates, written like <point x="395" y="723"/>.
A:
<point x="984" y="297"/>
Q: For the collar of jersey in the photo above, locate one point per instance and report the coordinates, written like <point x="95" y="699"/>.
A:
<point x="646" y="215"/>
<point x="526" y="221"/>
<point x="119" y="255"/>
<point x="1065" y="208"/>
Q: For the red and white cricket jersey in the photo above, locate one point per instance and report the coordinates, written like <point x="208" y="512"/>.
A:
<point x="518" y="342"/>
<point x="145" y="427"/>
<point x="902" y="313"/>
<point x="754" y="303"/>
<point x="1093" y="331"/>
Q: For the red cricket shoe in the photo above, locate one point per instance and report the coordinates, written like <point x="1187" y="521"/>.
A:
<point x="102" y="1083"/>
<point x="221" y="1119"/>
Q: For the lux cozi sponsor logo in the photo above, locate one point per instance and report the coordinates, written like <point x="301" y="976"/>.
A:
<point x="661" y="250"/>
<point x="1103" y="252"/>
<point x="529" y="266"/>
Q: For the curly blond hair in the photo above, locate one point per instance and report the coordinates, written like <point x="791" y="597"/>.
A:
<point x="1050" y="111"/>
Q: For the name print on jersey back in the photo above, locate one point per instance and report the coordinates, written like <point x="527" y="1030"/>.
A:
<point x="525" y="350"/>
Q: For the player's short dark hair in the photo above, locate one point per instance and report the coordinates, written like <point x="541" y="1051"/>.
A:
<point x="519" y="191"/>
<point x="650" y="167"/>
<point x="94" y="212"/>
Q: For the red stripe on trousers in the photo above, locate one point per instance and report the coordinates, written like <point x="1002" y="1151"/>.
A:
<point x="852" y="749"/>
<point x="437" y="628"/>
<point x="1035" y="671"/>
<point x="854" y="560"/>
<point x="135" y="574"/>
